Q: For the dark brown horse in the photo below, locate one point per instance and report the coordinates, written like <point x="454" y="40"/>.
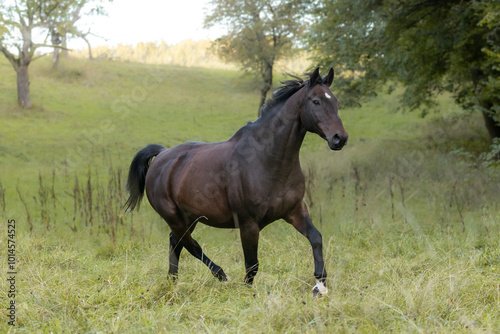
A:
<point x="246" y="182"/>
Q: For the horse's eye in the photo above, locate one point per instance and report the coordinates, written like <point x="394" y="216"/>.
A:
<point x="316" y="102"/>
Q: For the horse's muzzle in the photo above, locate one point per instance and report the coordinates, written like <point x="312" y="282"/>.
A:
<point x="337" y="141"/>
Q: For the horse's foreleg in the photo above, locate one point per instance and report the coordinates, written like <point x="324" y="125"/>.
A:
<point x="300" y="219"/>
<point x="249" y="233"/>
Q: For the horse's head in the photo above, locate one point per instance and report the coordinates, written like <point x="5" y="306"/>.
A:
<point x="320" y="111"/>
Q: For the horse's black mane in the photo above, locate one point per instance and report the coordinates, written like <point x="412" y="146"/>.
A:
<point x="284" y="92"/>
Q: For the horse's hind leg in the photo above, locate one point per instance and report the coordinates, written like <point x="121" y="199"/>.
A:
<point x="174" y="253"/>
<point x="181" y="235"/>
<point x="195" y="249"/>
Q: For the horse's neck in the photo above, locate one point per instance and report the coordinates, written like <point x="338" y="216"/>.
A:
<point x="280" y="135"/>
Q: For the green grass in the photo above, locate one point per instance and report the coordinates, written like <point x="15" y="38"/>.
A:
<point x="410" y="230"/>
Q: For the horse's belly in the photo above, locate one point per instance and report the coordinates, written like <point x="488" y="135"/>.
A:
<point x="206" y="213"/>
<point x="211" y="205"/>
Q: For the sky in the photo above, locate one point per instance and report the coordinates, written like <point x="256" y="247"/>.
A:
<point x="132" y="21"/>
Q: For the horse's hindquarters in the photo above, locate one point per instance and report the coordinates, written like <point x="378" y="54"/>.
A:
<point x="192" y="178"/>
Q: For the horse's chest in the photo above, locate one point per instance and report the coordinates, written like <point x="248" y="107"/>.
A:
<point x="281" y="201"/>
<point x="271" y="198"/>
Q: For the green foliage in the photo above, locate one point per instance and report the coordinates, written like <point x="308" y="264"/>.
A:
<point x="69" y="12"/>
<point x="65" y="23"/>
<point x="410" y="231"/>
<point x="428" y="46"/>
<point x="491" y="21"/>
<point x="492" y="157"/>
<point x="3" y="27"/>
<point x="259" y="33"/>
<point x="21" y="17"/>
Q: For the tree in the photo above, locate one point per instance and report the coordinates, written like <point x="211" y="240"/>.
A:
<point x="429" y="46"/>
<point x="64" y="26"/>
<point x="61" y="24"/>
<point x="259" y="32"/>
<point x="18" y="21"/>
<point x="21" y="19"/>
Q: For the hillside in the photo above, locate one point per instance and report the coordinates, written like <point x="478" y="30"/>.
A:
<point x="408" y="211"/>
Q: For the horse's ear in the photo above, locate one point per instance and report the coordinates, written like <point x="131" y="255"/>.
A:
<point x="315" y="77"/>
<point x="328" y="79"/>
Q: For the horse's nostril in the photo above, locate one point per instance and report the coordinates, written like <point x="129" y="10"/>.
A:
<point x="336" y="139"/>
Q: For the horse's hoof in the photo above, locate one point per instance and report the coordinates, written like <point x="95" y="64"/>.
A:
<point x="221" y="275"/>
<point x="172" y="278"/>
<point x="319" y="290"/>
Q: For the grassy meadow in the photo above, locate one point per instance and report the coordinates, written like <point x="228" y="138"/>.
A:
<point x="409" y="212"/>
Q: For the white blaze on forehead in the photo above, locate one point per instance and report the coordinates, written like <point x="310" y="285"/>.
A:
<point x="328" y="96"/>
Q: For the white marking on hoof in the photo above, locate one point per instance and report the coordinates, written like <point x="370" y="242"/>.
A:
<point x="328" y="96"/>
<point x="319" y="289"/>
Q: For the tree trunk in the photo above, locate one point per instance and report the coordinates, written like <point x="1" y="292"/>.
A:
<point x="263" y="95"/>
<point x="56" y="40"/>
<point x="492" y="126"/>
<point x="65" y="46"/>
<point x="23" y="86"/>
<point x="90" y="49"/>
<point x="55" y="58"/>
<point x="486" y="104"/>
<point x="267" y="76"/>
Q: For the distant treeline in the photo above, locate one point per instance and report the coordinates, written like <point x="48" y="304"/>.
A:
<point x="187" y="53"/>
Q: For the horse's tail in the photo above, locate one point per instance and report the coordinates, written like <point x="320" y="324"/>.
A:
<point x="137" y="174"/>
